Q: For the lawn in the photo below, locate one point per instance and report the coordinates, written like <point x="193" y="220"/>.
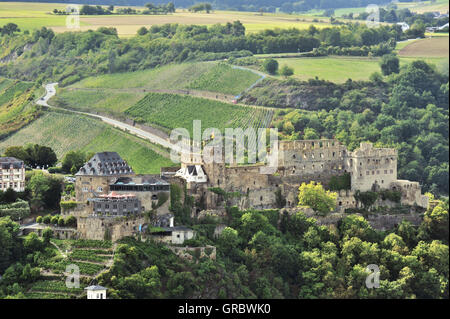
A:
<point x="170" y="111"/>
<point x="336" y="69"/>
<point x="65" y="132"/>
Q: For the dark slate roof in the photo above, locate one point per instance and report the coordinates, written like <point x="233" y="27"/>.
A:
<point x="192" y="170"/>
<point x="95" y="287"/>
<point x="105" y="164"/>
<point x="6" y="162"/>
<point x="141" y="180"/>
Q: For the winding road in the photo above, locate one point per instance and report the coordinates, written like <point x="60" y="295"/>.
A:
<point x="51" y="91"/>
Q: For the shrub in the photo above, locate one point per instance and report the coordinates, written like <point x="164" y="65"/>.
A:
<point x="46" y="219"/>
<point x="39" y="219"/>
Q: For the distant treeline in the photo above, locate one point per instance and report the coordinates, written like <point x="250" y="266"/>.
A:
<point x="242" y="5"/>
<point x="394" y="15"/>
<point x="99" y="10"/>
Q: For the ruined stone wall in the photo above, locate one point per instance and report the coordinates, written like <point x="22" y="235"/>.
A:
<point x="95" y="227"/>
<point x="311" y="157"/>
<point x="411" y="193"/>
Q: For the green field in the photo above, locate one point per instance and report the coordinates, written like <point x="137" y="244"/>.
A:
<point x="171" y="111"/>
<point x="338" y="69"/>
<point x="65" y="132"/>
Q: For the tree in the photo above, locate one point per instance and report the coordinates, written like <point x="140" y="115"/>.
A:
<point x="17" y="152"/>
<point x="39" y="155"/>
<point x="47" y="234"/>
<point x="270" y="66"/>
<point x="9" y="29"/>
<point x="315" y="196"/>
<point x="286" y="71"/>
<point x="73" y="159"/>
<point x="390" y="64"/>
<point x="9" y="196"/>
<point x="142" y="31"/>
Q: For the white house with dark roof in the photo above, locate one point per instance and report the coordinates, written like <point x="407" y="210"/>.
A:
<point x="12" y="174"/>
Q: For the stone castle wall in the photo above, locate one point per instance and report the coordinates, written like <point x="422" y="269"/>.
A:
<point x="92" y="227"/>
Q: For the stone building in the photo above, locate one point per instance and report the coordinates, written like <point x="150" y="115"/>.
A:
<point x="369" y="168"/>
<point x="111" y="198"/>
<point x="94" y="177"/>
<point x="12" y="174"/>
<point x="115" y="204"/>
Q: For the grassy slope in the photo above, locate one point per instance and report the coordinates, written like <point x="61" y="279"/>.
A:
<point x="65" y="132"/>
<point x="16" y="108"/>
<point x="97" y="100"/>
<point x="172" y="111"/>
<point x="224" y="79"/>
<point x="207" y="76"/>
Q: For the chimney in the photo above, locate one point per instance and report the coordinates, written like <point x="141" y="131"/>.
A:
<point x="171" y="222"/>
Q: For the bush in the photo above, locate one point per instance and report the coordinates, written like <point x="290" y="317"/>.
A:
<point x="271" y="66"/>
<point x="55" y="170"/>
<point x="39" y="219"/>
<point x="54" y="220"/>
<point x="61" y="222"/>
<point x="71" y="221"/>
<point x="46" y="219"/>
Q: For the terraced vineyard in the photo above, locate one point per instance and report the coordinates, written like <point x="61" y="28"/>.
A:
<point x="205" y="76"/>
<point x="91" y="256"/>
<point x="16" y="108"/>
<point x="169" y="111"/>
<point x="65" y="132"/>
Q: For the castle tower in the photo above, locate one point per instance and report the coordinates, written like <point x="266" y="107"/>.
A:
<point x="372" y="168"/>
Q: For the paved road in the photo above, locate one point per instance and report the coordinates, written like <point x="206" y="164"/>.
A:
<point x="51" y="91"/>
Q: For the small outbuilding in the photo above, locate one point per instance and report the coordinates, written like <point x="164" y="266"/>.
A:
<point x="96" y="292"/>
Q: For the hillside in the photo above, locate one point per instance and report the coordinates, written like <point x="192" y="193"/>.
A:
<point x="16" y="105"/>
<point x="64" y="132"/>
<point x="170" y="111"/>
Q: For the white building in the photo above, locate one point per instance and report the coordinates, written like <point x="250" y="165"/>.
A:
<point x="12" y="174"/>
<point x="96" y="292"/>
<point x="404" y="25"/>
